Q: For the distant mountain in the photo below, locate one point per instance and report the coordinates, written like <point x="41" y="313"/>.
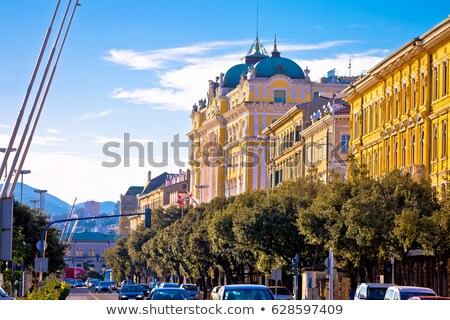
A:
<point x="53" y="205"/>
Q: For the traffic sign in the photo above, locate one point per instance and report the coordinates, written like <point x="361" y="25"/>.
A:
<point x="39" y="245"/>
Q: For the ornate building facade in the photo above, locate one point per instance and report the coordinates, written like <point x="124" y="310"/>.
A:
<point x="229" y="155"/>
<point x="400" y="110"/>
<point x="312" y="137"/>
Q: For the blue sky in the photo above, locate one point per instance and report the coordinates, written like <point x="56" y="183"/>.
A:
<point x="138" y="66"/>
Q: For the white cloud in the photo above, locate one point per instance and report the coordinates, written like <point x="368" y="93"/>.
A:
<point x="95" y="115"/>
<point x="5" y="126"/>
<point x="52" y="131"/>
<point x="157" y="59"/>
<point x="47" y="140"/>
<point x="37" y="140"/>
<point x="186" y="81"/>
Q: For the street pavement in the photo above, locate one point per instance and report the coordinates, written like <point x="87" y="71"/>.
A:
<point x="89" y="294"/>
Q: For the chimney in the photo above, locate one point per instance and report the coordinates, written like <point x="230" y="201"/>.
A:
<point x="149" y="176"/>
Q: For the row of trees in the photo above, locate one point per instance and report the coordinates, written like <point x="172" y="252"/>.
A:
<point x="364" y="221"/>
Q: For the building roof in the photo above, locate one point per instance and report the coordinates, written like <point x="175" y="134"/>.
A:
<point x="155" y="183"/>
<point x="233" y="75"/>
<point x="134" y="190"/>
<point x="271" y="66"/>
<point x="265" y="66"/>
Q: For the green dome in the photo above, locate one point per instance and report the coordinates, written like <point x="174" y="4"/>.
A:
<point x="271" y="66"/>
<point x="233" y="75"/>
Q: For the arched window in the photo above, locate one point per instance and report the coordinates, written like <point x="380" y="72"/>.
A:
<point x="388" y="156"/>
<point x="395" y="153"/>
<point x="370" y="119"/>
<point x="413" y="147"/>
<point x="422" y="145"/>
<point x="435" y="142"/>
<point x="375" y="163"/>
<point x="376" y="115"/>
<point x="444" y="139"/>
<point x="404" y="152"/>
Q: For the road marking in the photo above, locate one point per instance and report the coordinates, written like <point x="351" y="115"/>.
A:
<point x="93" y="295"/>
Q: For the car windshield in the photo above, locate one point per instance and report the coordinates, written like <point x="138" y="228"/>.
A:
<point x="281" y="291"/>
<point x="405" y="295"/>
<point x="247" y="294"/>
<point x="170" y="295"/>
<point x="131" y="289"/>
<point x="376" y="293"/>
<point x="144" y="286"/>
<point x="190" y="287"/>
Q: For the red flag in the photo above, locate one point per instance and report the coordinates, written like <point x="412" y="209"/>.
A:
<point x="181" y="202"/>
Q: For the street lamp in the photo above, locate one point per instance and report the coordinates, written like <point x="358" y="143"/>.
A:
<point x="201" y="186"/>
<point x="34" y="201"/>
<point x="22" y="172"/>
<point x="41" y="199"/>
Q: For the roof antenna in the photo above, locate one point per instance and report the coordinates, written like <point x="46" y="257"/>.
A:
<point x="257" y="19"/>
<point x="350" y="67"/>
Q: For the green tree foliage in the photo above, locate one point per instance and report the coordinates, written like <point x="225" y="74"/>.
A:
<point x="27" y="228"/>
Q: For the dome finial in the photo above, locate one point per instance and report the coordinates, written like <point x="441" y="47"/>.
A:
<point x="275" y="52"/>
<point x="275" y="43"/>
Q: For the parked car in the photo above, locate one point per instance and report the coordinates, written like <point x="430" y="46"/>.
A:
<point x="4" y="295"/>
<point x="245" y="292"/>
<point x="214" y="295"/>
<point x="405" y="292"/>
<point x="103" y="286"/>
<point x="145" y="288"/>
<point x="131" y="291"/>
<point x="169" y="294"/>
<point x="281" y="293"/>
<point x="371" y="291"/>
<point x="192" y="290"/>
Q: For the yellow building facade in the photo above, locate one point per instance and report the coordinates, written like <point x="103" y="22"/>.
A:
<point x="302" y="141"/>
<point x="228" y="156"/>
<point x="400" y="110"/>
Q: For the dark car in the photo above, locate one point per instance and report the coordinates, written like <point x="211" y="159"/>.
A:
<point x="79" y="283"/>
<point x="145" y="288"/>
<point x="131" y="291"/>
<point x="103" y="286"/>
<point x="192" y="290"/>
<point x="4" y="295"/>
<point x="169" y="294"/>
<point x="245" y="292"/>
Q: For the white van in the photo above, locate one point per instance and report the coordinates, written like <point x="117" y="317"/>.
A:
<point x="405" y="292"/>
